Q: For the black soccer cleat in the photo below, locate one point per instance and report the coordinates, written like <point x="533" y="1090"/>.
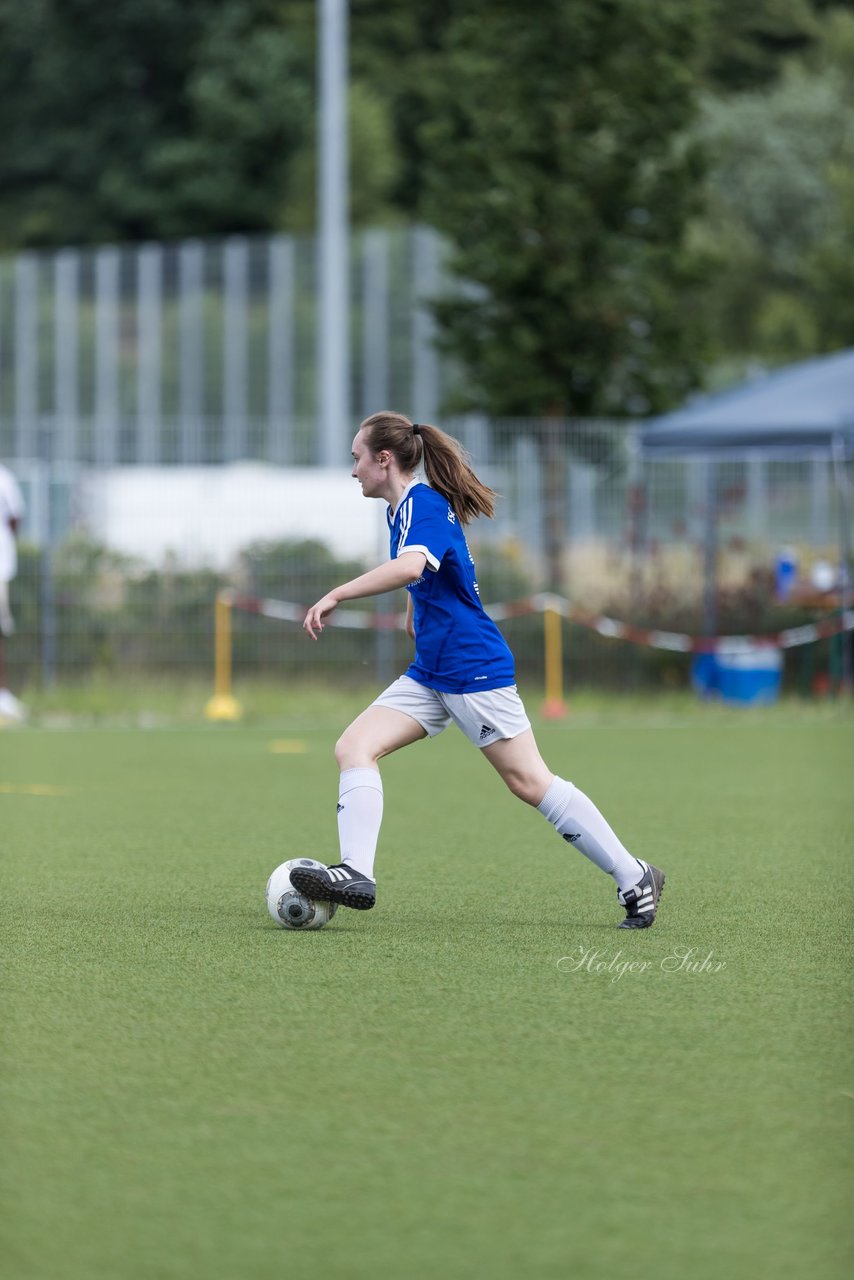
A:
<point x="641" y="902"/>
<point x="336" y="884"/>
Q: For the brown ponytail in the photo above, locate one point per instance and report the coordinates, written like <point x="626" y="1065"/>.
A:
<point x="446" y="463"/>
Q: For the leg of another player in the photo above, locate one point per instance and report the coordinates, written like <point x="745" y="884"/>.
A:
<point x="377" y="732"/>
<point x="570" y="811"/>
<point x="10" y="707"/>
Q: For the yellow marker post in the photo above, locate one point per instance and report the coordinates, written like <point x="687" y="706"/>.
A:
<point x="554" y="707"/>
<point x="223" y="705"/>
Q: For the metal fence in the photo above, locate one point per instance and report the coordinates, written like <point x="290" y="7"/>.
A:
<point x="632" y="547"/>
<point x="205" y="352"/>
<point x="172" y="389"/>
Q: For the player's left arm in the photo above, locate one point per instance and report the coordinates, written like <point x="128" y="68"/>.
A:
<point x="410" y="616"/>
<point x="396" y="573"/>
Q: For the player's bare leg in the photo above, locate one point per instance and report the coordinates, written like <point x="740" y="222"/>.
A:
<point x="10" y="708"/>
<point x="377" y="732"/>
<point x="521" y="766"/>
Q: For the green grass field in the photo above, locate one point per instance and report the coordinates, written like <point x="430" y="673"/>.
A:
<point x="465" y="1082"/>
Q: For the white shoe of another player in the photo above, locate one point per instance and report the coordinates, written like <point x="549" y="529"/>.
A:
<point x="11" y="708"/>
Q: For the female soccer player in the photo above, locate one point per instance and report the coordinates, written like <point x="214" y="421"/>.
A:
<point x="462" y="670"/>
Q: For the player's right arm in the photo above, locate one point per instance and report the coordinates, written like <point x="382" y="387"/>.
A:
<point x="386" y="577"/>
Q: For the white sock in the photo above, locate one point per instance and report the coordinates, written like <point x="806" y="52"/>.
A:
<point x="360" y="815"/>
<point x="576" y="818"/>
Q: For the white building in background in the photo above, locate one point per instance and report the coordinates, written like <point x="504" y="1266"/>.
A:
<point x="204" y="516"/>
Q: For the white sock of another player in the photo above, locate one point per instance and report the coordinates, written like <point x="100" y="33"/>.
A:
<point x="360" y="815"/>
<point x="576" y="818"/>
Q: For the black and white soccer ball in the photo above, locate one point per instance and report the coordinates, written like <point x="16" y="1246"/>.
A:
<point x="292" y="909"/>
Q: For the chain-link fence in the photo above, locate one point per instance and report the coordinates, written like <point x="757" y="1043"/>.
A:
<point x="581" y="513"/>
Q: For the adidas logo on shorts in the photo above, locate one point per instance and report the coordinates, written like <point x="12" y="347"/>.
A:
<point x="485" y="731"/>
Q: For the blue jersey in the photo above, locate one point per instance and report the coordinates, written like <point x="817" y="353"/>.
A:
<point x="458" y="648"/>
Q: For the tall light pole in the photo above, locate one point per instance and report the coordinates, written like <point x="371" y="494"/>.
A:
<point x="333" y="338"/>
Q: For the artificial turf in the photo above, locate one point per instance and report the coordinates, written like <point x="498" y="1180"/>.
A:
<point x="466" y="1081"/>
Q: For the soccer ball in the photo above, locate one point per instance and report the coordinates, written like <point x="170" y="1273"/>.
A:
<point x="292" y="909"/>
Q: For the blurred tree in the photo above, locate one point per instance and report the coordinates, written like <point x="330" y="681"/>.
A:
<point x="150" y="118"/>
<point x="396" y="47"/>
<point x="554" y="164"/>
<point x="779" y="218"/>
<point x="746" y="43"/>
<point x="85" y="89"/>
<point x="547" y="150"/>
<point x="250" y="100"/>
<point x="249" y="159"/>
<point x="829" y="266"/>
<point x="164" y="118"/>
<point x="374" y="167"/>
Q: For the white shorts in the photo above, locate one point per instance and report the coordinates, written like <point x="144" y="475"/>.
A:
<point x="483" y="717"/>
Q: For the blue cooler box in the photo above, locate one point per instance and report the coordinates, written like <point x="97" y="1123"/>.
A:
<point x="744" y="676"/>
